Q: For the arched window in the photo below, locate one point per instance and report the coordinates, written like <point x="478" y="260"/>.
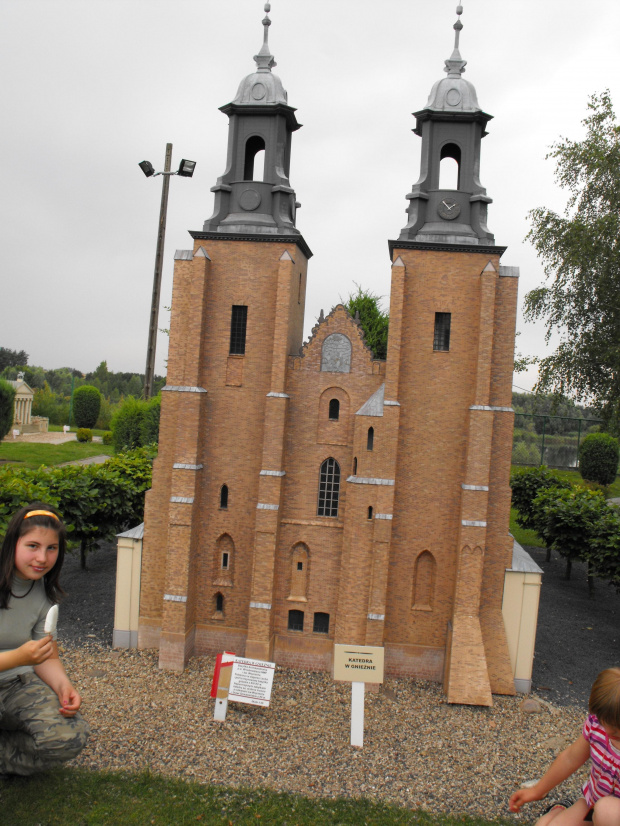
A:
<point x="329" y="488"/>
<point x="254" y="166"/>
<point x="224" y="560"/>
<point x="224" y="497"/>
<point x="295" y="620"/>
<point x="219" y="602"/>
<point x="354" y="465"/>
<point x="370" y="511"/>
<point x="321" y="623"/>
<point x="449" y="166"/>
<point x="299" y="572"/>
<point x="424" y="581"/>
<point x="334" y="410"/>
<point x="370" y="441"/>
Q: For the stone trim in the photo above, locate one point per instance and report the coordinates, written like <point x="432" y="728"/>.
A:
<point x="174" y="598"/>
<point x="383" y="515"/>
<point x="178" y="389"/>
<point x="472" y="523"/>
<point x="493" y="409"/>
<point x="475" y="487"/>
<point x="278" y="396"/>
<point x="265" y="605"/>
<point x="379" y="617"/>
<point x="367" y="480"/>
<point x="295" y="238"/>
<point x="389" y="403"/>
<point x="182" y="500"/>
<point x="183" y="466"/>
<point x="184" y="255"/>
<point x="264" y="507"/>
<point x="272" y="473"/>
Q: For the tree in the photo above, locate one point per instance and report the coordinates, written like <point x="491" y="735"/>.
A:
<point x="374" y="321"/>
<point x="581" y="255"/>
<point x="598" y="458"/>
<point x="7" y="407"/>
<point x="12" y="358"/>
<point x="86" y="406"/>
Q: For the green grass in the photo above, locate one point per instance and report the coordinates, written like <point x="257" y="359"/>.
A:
<point x="74" y="797"/>
<point x="57" y="428"/>
<point x="34" y="454"/>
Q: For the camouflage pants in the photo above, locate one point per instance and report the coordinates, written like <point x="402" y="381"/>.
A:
<point x="34" y="736"/>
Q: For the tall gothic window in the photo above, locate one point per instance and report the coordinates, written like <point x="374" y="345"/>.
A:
<point x="254" y="164"/>
<point x="441" y="339"/>
<point x="238" y="324"/>
<point x="329" y="488"/>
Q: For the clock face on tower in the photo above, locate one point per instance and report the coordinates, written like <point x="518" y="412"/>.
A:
<point x="448" y="209"/>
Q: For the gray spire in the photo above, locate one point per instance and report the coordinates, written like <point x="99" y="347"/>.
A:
<point x="265" y="61"/>
<point x="455" y="65"/>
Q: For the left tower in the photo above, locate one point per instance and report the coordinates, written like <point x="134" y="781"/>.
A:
<point x="237" y="314"/>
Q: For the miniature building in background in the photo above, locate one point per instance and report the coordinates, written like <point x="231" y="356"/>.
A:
<point x="307" y="494"/>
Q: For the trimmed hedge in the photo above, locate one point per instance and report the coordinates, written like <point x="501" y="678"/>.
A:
<point x="598" y="458"/>
<point x="86" y="406"/>
<point x="136" y="423"/>
<point x="7" y="407"/>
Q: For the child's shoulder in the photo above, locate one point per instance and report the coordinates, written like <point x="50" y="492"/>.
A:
<point x="592" y="727"/>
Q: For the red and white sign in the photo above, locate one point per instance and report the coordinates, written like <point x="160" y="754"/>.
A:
<point x="251" y="682"/>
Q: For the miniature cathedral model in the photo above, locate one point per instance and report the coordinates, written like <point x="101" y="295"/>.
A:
<point x="310" y="494"/>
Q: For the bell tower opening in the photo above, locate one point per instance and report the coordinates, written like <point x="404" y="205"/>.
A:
<point x="254" y="165"/>
<point x="450" y="167"/>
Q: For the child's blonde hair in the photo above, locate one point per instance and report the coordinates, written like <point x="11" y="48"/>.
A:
<point x="605" y="697"/>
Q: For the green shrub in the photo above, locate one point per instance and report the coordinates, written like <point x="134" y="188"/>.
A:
<point x="136" y="423"/>
<point x="598" y="458"/>
<point x="84" y="434"/>
<point x="107" y="438"/>
<point x="526" y="484"/>
<point x="86" y="406"/>
<point x="7" y="407"/>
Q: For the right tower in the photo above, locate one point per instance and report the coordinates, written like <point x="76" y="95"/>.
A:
<point x="449" y="384"/>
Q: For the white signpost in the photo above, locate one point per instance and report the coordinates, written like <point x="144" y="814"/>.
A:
<point x="358" y="664"/>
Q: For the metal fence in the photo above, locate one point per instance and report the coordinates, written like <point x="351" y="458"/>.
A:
<point x="549" y="440"/>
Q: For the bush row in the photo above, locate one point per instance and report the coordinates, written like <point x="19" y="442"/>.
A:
<point x="96" y="501"/>
<point x="574" y="520"/>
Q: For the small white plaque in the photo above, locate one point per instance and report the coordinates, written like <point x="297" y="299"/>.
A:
<point x="251" y="682"/>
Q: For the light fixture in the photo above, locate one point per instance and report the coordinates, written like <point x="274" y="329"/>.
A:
<point x="186" y="168"/>
<point x="147" y="167"/>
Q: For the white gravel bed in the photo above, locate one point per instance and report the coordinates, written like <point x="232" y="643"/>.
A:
<point x="419" y="751"/>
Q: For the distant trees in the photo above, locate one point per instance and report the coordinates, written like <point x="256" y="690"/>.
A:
<point x="580" y="251"/>
<point x="12" y="358"/>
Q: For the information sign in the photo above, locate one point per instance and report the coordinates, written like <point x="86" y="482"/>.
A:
<point x="251" y="681"/>
<point x="358" y="663"/>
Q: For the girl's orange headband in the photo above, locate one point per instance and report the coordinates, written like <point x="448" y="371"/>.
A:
<point x="41" y="513"/>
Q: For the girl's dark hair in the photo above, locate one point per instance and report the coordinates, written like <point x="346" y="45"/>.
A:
<point x="605" y="697"/>
<point x="18" y="527"/>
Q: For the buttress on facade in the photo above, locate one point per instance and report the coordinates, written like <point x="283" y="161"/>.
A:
<point x="307" y="494"/>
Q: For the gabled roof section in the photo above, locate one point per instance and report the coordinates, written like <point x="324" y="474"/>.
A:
<point x="339" y="320"/>
<point x="374" y="405"/>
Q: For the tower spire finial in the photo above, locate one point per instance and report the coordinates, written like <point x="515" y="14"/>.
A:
<point x="455" y="66"/>
<point x="265" y="61"/>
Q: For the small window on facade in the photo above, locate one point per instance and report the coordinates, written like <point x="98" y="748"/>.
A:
<point x="295" y="620"/>
<point x="329" y="488"/>
<point x="300" y="566"/>
<point x="370" y="441"/>
<point x="334" y="410"/>
<point x="441" y="340"/>
<point x="354" y="465"/>
<point x="219" y="602"/>
<point x="370" y="512"/>
<point x="299" y="290"/>
<point x="224" y="497"/>
<point x="225" y="560"/>
<point x="238" y="324"/>
<point x="321" y="623"/>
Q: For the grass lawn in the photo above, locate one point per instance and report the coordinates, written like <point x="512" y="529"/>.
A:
<point x="34" y="454"/>
<point x="531" y="537"/>
<point x="74" y="797"/>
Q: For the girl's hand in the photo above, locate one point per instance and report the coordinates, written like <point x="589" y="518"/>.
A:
<point x="70" y="700"/>
<point x="35" y="652"/>
<point x="522" y="796"/>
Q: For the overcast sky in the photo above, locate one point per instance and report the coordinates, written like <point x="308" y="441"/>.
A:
<point x="92" y="87"/>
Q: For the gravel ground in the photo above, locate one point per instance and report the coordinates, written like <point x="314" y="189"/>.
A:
<point x="418" y="751"/>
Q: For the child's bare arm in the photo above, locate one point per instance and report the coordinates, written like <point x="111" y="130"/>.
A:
<point x="31" y="652"/>
<point x="53" y="673"/>
<point x="565" y="764"/>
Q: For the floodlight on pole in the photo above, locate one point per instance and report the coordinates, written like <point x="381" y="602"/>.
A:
<point x="185" y="170"/>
